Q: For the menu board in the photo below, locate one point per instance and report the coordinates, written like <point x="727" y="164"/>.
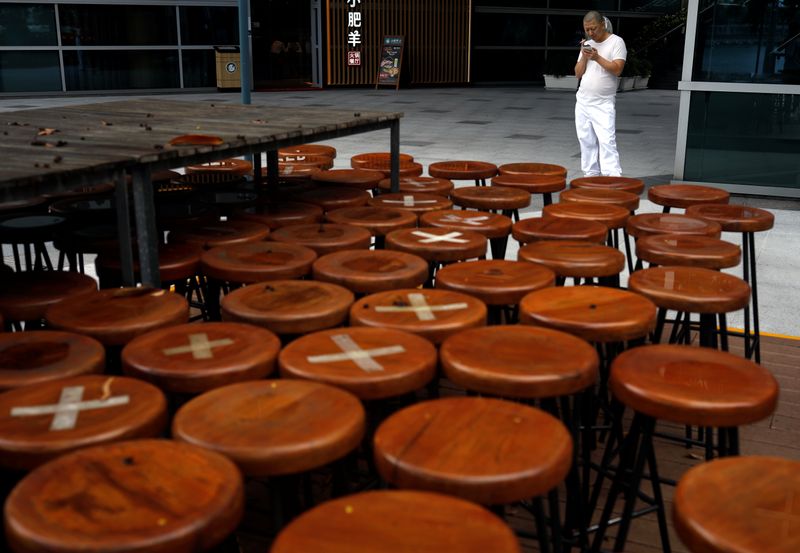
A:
<point x="391" y="59"/>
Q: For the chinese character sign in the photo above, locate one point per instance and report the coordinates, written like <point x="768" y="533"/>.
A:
<point x="353" y="32"/>
<point x="354" y="57"/>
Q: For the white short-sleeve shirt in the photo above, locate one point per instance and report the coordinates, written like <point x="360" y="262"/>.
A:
<point x="596" y="81"/>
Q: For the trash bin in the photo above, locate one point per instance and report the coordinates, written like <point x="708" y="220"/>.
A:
<point x="228" y="67"/>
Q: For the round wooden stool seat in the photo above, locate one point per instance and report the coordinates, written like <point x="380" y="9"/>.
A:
<point x="685" y="195"/>
<point x="257" y="262"/>
<point x="365" y="179"/>
<point x="370" y="363"/>
<point x="382" y="163"/>
<point x="438" y="244"/>
<point x="691" y="289"/>
<point x="540" y="228"/>
<point x="223" y="171"/>
<point x="37" y="203"/>
<point x="333" y="197"/>
<point x="220" y="233"/>
<point x="309" y="149"/>
<point x="532" y="168"/>
<point x="379" y="221"/>
<point x="35" y="357"/>
<point x="416" y="202"/>
<point x="289" y="306"/>
<point x="176" y="261"/>
<point x="92" y="209"/>
<point x="89" y="239"/>
<point x="671" y="223"/>
<point x="462" y="170"/>
<point x="432" y="314"/>
<point x="716" y="510"/>
<point x="27" y="229"/>
<point x="40" y="422"/>
<point x="627" y="184"/>
<point x="301" y="172"/>
<point x="317" y="161"/>
<point x="280" y="214"/>
<point x="363" y="161"/>
<point x="451" y="446"/>
<point x="27" y="295"/>
<point x="574" y="259"/>
<point x="176" y="213"/>
<point x="90" y="190"/>
<point x="734" y="218"/>
<point x="491" y="225"/>
<point x="134" y="496"/>
<point x="692" y="385"/>
<point x="324" y="238"/>
<point x="628" y="200"/>
<point x="370" y="271"/>
<point x="694" y="251"/>
<point x="533" y="183"/>
<point x="495" y="281"/>
<point x="115" y="316"/>
<point x="429" y="185"/>
<point x="612" y="216"/>
<point x="491" y="198"/>
<point x="273" y="427"/>
<point x="594" y="313"/>
<point x="194" y="358"/>
<point x="392" y="521"/>
<point x="228" y="201"/>
<point x="498" y="360"/>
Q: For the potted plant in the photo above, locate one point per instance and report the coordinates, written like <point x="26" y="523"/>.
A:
<point x="629" y="73"/>
<point x="559" y="70"/>
<point x="643" y="75"/>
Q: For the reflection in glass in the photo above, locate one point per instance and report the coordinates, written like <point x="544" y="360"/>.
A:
<point x="565" y="30"/>
<point x="209" y="25"/>
<point x="507" y="65"/>
<point x="500" y="29"/>
<point x="29" y="72"/>
<point x="27" y="25"/>
<point x="121" y="69"/>
<point x="199" y="68"/>
<point x="98" y="25"/>
<point x="759" y="148"/>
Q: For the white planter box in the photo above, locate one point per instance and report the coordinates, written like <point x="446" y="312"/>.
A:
<point x="625" y="83"/>
<point x="567" y="82"/>
<point x="641" y="82"/>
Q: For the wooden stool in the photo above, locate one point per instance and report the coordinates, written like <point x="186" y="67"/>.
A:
<point x="43" y="421"/>
<point x="626" y="184"/>
<point x="748" y="221"/>
<point x="478" y="171"/>
<point x="429" y="185"/>
<point x="257" y="262"/>
<point x="309" y="149"/>
<point x="177" y="263"/>
<point x="370" y="363"/>
<point x="533" y="184"/>
<point x="685" y="195"/>
<point x="321" y="162"/>
<point x="532" y="168"/>
<point x="98" y="209"/>
<point x="324" y="238"/>
<point x="31" y="232"/>
<point x="686" y="385"/>
<point x="405" y="169"/>
<point x="363" y="161"/>
<point x="647" y="224"/>
<point x="26" y="296"/>
<point x="221" y="172"/>
<point x="451" y="446"/>
<point x="540" y="228"/>
<point x="116" y="316"/>
<point x="689" y="290"/>
<point x="392" y="521"/>
<point x="379" y="221"/>
<point x="364" y="179"/>
<point x="497" y="283"/>
<point x="692" y="251"/>
<point x="415" y="202"/>
<point x="370" y="271"/>
<point x="715" y="510"/>
<point x="228" y="202"/>
<point x="291" y="171"/>
<point x="194" y="358"/>
<point x="494" y="227"/>
<point x="438" y="245"/>
<point x="176" y="214"/>
<point x="29" y="358"/>
<point x="333" y="197"/>
<point x="176" y="497"/>
<point x="289" y="307"/>
<point x="576" y="260"/>
<point x="628" y="200"/>
<point x="220" y="233"/>
<point x="493" y="199"/>
<point x="432" y="314"/>
<point x="281" y="214"/>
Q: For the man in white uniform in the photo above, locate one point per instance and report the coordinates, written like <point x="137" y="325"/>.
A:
<point x="600" y="62"/>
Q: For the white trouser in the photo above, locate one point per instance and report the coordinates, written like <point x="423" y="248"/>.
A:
<point x="595" y="124"/>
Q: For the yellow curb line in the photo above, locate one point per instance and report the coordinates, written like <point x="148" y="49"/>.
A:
<point x="770" y="334"/>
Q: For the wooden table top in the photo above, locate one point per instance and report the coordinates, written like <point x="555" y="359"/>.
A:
<point x="194" y="358"/>
<point x="33" y="357"/>
<point x="734" y="218"/>
<point x="628" y="200"/>
<point x="462" y="170"/>
<point x="369" y="271"/>
<point x="330" y="197"/>
<point x="693" y="385"/>
<point x="495" y="281"/>
<point x="613" y="216"/>
<point x="281" y="213"/>
<point x="685" y="195"/>
<point x="671" y="223"/>
<point x="716" y="509"/>
<point x="628" y="184"/>
<point x="324" y="238"/>
<point x="541" y="228"/>
<point x="431" y="185"/>
<point x="274" y="427"/>
<point x="364" y="179"/>
<point x="432" y="314"/>
<point x="438" y="244"/>
<point x="573" y="258"/>
<point x="532" y="168"/>
<point x="370" y="363"/>
<point x="258" y="262"/>
<point x="397" y="521"/>
<point x="692" y="289"/>
<point x="43" y="421"/>
<point x="497" y="360"/>
<point x="491" y="225"/>
<point x="220" y="233"/>
<point x="377" y="220"/>
<point x="416" y="202"/>
<point x="485" y="450"/>
<point x="491" y="197"/>
<point x="27" y="295"/>
<point x="175" y="496"/>
<point x="116" y="316"/>
<point x="289" y="306"/>
<point x="594" y="313"/>
<point x="695" y="251"/>
<point x="531" y="182"/>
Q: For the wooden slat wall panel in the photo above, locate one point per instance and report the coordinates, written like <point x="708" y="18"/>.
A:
<point x="436" y="35"/>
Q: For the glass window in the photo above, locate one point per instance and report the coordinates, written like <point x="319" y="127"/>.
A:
<point x="508" y="29"/>
<point x="27" y="25"/>
<point x="511" y="3"/>
<point x="507" y="65"/>
<point x="759" y="148"/>
<point x="199" y="68"/>
<point x="29" y="72"/>
<point x="565" y="30"/>
<point x="649" y="6"/>
<point x="585" y="5"/>
<point x="209" y="25"/>
<point x="98" y="25"/>
<point x="121" y="69"/>
<point x="748" y="42"/>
